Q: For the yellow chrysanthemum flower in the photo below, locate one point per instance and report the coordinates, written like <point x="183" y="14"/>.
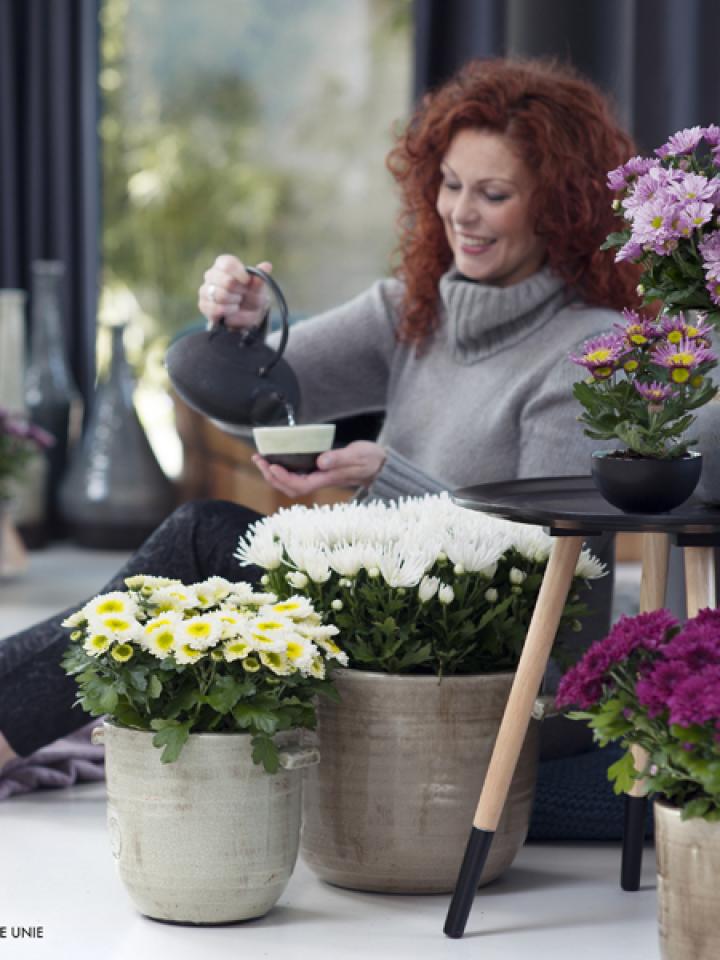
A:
<point x="122" y="652"/>
<point x="236" y="650"/>
<point x="251" y="664"/>
<point x="277" y="662"/>
<point x="96" y="644"/>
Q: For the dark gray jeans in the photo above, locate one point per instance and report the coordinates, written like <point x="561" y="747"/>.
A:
<point x="36" y="696"/>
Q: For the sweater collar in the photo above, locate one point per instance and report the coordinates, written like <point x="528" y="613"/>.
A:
<point x="484" y="319"/>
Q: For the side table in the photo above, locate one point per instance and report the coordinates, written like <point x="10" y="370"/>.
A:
<point x="573" y="510"/>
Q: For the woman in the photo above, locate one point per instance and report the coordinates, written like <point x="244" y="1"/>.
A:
<point x="502" y="174"/>
<point x="505" y="205"/>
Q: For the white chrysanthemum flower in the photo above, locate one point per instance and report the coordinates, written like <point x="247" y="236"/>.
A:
<point x="260" y="549"/>
<point x="403" y="567"/>
<point x="301" y="652"/>
<point x="331" y="649"/>
<point x="589" y="567"/>
<point x="95" y="644"/>
<point x="185" y="654"/>
<point x="317" y="668"/>
<point x="428" y="588"/>
<point x="201" y="632"/>
<point x="276" y="661"/>
<point x="516" y="576"/>
<point x="116" y="603"/>
<point x="236" y="649"/>
<point x="491" y="595"/>
<point x="310" y="560"/>
<point x="347" y="559"/>
<point x="159" y="634"/>
<point x="211" y="592"/>
<point x="118" y="627"/>
<point x="269" y="633"/>
<point x="76" y="619"/>
<point x="233" y="622"/>
<point x="249" y="598"/>
<point x="446" y="594"/>
<point x="296" y="579"/>
<point x="144" y="581"/>
<point x="295" y="608"/>
<point x="175" y="596"/>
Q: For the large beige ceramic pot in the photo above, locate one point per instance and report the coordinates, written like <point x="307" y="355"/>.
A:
<point x="688" y="868"/>
<point x="210" y="838"/>
<point x="391" y="804"/>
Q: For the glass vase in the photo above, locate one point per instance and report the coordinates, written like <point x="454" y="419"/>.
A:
<point x="52" y="397"/>
<point x="115" y="493"/>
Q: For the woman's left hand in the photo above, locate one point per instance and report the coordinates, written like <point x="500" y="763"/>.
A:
<point x="355" y="465"/>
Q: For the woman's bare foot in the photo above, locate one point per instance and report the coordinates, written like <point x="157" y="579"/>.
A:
<point x="6" y="752"/>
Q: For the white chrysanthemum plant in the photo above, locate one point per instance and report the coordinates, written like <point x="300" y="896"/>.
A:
<point x="418" y="585"/>
<point x="210" y="657"/>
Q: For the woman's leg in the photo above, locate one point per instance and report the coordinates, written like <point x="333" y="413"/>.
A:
<point x="36" y="696"/>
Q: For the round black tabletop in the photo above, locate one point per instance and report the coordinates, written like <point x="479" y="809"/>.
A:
<point x="572" y="506"/>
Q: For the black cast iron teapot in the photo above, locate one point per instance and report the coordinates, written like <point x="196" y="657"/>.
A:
<point x="232" y="376"/>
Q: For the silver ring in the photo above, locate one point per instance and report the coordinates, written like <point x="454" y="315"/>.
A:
<point x="211" y="292"/>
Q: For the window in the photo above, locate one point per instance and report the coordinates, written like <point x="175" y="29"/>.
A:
<point x="257" y="127"/>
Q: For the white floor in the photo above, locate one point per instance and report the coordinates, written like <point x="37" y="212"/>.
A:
<point x="557" y="902"/>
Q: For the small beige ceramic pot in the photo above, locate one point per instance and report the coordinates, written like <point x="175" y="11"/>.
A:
<point x="211" y="838"/>
<point x="391" y="805"/>
<point x="688" y="867"/>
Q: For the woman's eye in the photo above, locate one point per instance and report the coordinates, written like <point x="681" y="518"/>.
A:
<point x="496" y="197"/>
<point x="450" y="185"/>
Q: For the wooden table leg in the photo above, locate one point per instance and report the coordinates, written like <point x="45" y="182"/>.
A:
<point x="653" y="585"/>
<point x="531" y="669"/>
<point x="699" y="578"/>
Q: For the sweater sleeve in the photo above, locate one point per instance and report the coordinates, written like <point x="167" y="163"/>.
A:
<point x="552" y="442"/>
<point x="401" y="478"/>
<point x="342" y="357"/>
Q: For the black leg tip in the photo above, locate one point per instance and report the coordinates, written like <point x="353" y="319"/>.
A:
<point x="633" y="840"/>
<point x="476" y="853"/>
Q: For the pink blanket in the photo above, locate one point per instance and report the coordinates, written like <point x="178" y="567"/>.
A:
<point x="73" y="759"/>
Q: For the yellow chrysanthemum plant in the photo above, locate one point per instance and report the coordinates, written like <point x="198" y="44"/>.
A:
<point x="210" y="657"/>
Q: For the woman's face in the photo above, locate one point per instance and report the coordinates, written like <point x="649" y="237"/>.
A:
<point x="483" y="202"/>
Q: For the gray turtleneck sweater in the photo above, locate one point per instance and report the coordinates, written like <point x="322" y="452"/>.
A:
<point x="489" y="399"/>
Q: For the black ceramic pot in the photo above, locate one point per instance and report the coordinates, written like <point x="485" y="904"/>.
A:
<point x="644" y="485"/>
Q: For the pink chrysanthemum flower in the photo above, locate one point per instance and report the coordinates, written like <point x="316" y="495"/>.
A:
<point x="621" y="177"/>
<point x="601" y="355"/>
<point x="682" y="142"/>
<point x="655" y="393"/>
<point x="638" y="329"/>
<point x="676" y="329"/>
<point x="681" y="358"/>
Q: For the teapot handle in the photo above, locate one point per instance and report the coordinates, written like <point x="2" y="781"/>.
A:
<point x="282" y="304"/>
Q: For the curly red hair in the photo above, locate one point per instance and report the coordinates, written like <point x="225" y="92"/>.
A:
<point x="563" y="128"/>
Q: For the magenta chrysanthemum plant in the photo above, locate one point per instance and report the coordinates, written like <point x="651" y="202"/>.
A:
<point x="656" y="684"/>
<point x="645" y="379"/>
<point x="19" y="441"/>
<point x="670" y="210"/>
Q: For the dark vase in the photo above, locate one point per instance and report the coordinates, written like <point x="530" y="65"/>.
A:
<point x="115" y="493"/>
<point x="643" y="484"/>
<point x="51" y="395"/>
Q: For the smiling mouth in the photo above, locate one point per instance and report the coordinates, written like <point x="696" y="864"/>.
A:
<point x="474" y="244"/>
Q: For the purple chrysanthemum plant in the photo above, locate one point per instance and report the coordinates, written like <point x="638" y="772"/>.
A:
<point x="19" y="440"/>
<point x="645" y="379"/>
<point x="655" y="683"/>
<point x="669" y="207"/>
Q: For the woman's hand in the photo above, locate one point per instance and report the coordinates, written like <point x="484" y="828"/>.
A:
<point x="230" y="292"/>
<point x="355" y="465"/>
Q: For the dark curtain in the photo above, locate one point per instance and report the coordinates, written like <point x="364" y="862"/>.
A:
<point x="49" y="157"/>
<point x="656" y="58"/>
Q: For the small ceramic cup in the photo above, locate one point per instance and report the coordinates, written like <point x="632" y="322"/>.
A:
<point x="295" y="448"/>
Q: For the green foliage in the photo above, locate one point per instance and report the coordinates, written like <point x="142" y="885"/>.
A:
<point x="230" y="683"/>
<point x="392" y="630"/>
